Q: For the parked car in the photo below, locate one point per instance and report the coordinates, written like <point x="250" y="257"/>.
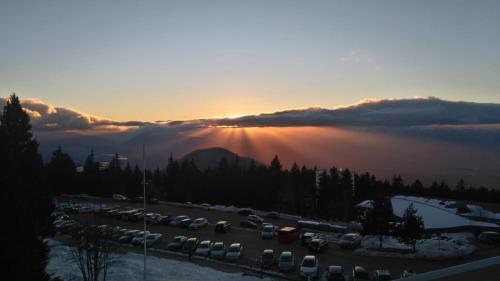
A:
<point x="139" y="238"/>
<point x="125" y="215"/>
<point x="309" y="267"/>
<point x="185" y="222"/>
<point x="307" y="237"/>
<point x="153" y="239"/>
<point x="267" y="259"/>
<point x="350" y="240"/>
<point x="407" y="273"/>
<point x="205" y="206"/>
<point x="151" y="217"/>
<point x="177" y="243"/>
<point x="234" y="252"/>
<point x="317" y="245"/>
<point x="127" y="236"/>
<point x="204" y="248"/>
<point x="255" y="219"/>
<point x="164" y="220"/>
<point x="489" y="236"/>
<point x="119" y="197"/>
<point x="288" y="234"/>
<point x="198" y="223"/>
<point x="286" y="261"/>
<point x="248" y="224"/>
<point x="246" y="211"/>
<point x="273" y="215"/>
<point x="359" y="273"/>
<point x="218" y="250"/>
<point x="152" y="200"/>
<point x="382" y="275"/>
<point x="190" y="245"/>
<point x="222" y="227"/>
<point x="268" y="232"/>
<point x="335" y="273"/>
<point x="138" y="199"/>
<point x="177" y="220"/>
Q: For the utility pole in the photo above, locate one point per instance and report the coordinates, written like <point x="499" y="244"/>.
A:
<point x="144" y="197"/>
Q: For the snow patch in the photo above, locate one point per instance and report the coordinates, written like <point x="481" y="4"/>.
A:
<point x="129" y="267"/>
<point x="452" y="246"/>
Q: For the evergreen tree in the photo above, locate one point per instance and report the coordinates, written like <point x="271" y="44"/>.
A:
<point x="411" y="227"/>
<point x="25" y="201"/>
<point x="377" y="221"/>
<point x="61" y="173"/>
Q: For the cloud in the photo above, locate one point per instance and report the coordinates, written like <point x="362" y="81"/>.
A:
<point x="393" y="113"/>
<point x="46" y="117"/>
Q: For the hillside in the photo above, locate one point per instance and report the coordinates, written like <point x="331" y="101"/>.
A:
<point x="211" y="157"/>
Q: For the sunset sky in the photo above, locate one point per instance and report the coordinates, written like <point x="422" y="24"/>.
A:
<point x="178" y="60"/>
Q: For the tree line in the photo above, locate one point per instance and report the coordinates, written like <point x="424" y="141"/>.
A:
<point x="305" y="191"/>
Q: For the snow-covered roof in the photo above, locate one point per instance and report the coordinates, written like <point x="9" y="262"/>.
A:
<point x="434" y="213"/>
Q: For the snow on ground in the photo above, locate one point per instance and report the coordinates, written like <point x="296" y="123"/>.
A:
<point x="129" y="267"/>
<point x="453" y="246"/>
<point x="434" y="212"/>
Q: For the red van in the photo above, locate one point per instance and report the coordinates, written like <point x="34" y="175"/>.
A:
<point x="288" y="234"/>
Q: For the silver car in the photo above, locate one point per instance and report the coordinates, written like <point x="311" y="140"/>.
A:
<point x="234" y="252"/>
<point x="218" y="250"/>
<point x="286" y="261"/>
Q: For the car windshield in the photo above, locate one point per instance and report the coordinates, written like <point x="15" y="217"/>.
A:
<point x="234" y="249"/>
<point x="190" y="242"/>
<point x="361" y="275"/>
<point x="308" y="263"/>
<point x="177" y="239"/>
<point x="268" y="229"/>
<point x="203" y="245"/>
<point x="218" y="247"/>
<point x="286" y="258"/>
<point x="267" y="256"/>
<point x="348" y="237"/>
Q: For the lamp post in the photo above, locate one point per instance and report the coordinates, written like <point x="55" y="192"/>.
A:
<point x="144" y="197"/>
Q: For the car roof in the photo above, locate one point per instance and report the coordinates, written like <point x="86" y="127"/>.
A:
<point x="219" y="243"/>
<point x="286" y="253"/>
<point x="180" y="237"/>
<point x="235" y="245"/>
<point x="335" y="269"/>
<point x="382" y="272"/>
<point x="269" y="251"/>
<point x="219" y="222"/>
<point x="205" y="242"/>
<point x="359" y="268"/>
<point x="309" y="257"/>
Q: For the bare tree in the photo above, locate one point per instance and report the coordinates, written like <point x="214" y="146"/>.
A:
<point x="93" y="253"/>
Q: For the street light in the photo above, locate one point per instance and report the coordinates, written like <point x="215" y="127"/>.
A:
<point x="144" y="197"/>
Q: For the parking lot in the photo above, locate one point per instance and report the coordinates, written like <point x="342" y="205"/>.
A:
<point x="254" y="245"/>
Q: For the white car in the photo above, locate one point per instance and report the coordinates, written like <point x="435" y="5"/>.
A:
<point x="234" y="252"/>
<point x="139" y="238"/>
<point x="153" y="238"/>
<point x="119" y="197"/>
<point x="309" y="267"/>
<point x="255" y="219"/>
<point x="350" y="240"/>
<point x="218" y="250"/>
<point x="204" y="248"/>
<point x="151" y="217"/>
<point x="198" y="223"/>
<point x="268" y="231"/>
<point x="177" y="220"/>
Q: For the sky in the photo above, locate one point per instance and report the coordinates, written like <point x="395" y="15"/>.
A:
<point x="178" y="60"/>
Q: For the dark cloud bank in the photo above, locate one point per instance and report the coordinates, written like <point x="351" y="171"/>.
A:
<point x="471" y="127"/>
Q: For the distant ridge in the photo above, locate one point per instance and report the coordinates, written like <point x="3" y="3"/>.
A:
<point x="210" y="158"/>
